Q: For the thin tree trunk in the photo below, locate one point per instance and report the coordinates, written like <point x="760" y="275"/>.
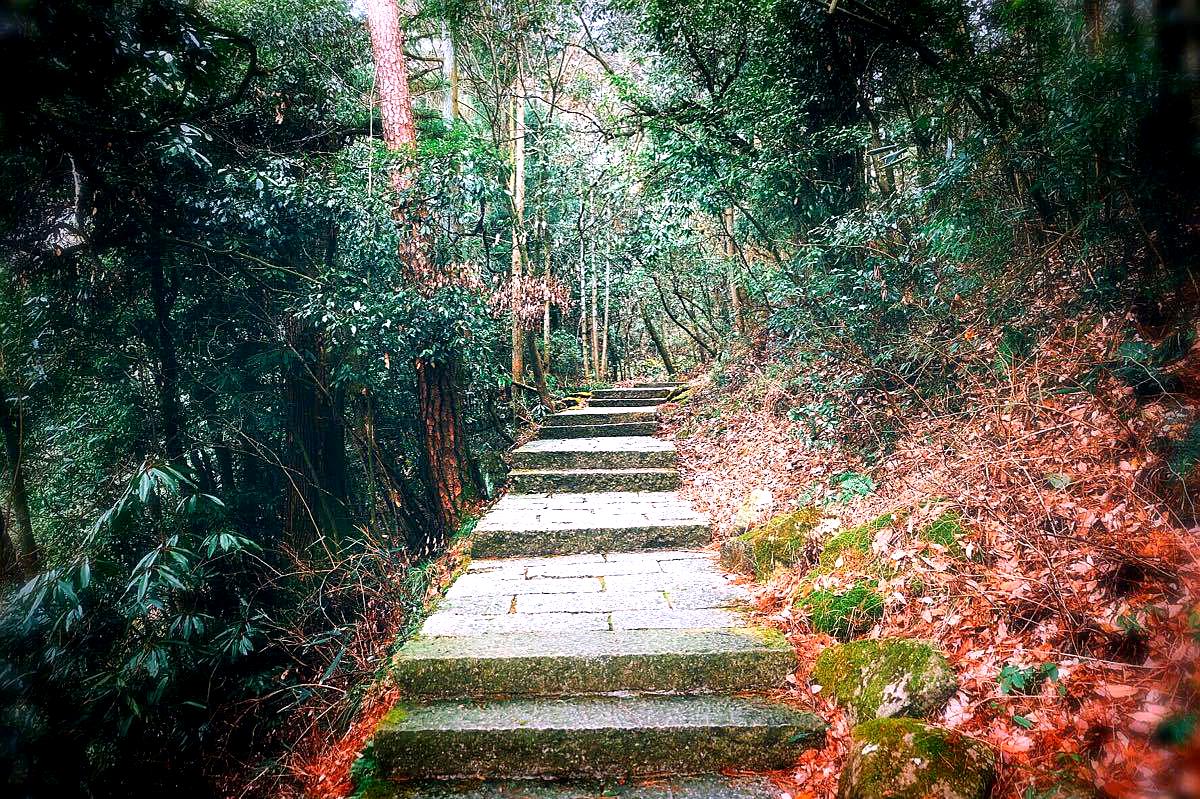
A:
<point x="604" y="334"/>
<point x="539" y="371"/>
<point x="735" y="294"/>
<point x="517" y="185"/>
<point x="163" y="299"/>
<point x="597" y="366"/>
<point x="659" y="344"/>
<point x="450" y="75"/>
<point x="20" y="532"/>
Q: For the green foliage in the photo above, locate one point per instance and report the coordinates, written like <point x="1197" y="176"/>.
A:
<point x="1027" y="681"/>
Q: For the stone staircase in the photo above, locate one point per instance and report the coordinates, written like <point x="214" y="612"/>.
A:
<point x="590" y="641"/>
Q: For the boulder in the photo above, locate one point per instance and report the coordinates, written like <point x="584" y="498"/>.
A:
<point x="908" y="759"/>
<point x="787" y="539"/>
<point x="886" y="677"/>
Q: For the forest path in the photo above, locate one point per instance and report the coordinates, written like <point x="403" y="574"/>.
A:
<point x="593" y="640"/>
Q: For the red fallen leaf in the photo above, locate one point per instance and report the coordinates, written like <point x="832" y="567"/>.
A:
<point x="1116" y="690"/>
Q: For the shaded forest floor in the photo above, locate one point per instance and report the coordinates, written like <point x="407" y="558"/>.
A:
<point x="1068" y="607"/>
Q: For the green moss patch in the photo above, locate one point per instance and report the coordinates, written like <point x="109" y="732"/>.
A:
<point x="946" y="531"/>
<point x="842" y="614"/>
<point x="785" y="540"/>
<point x="853" y="543"/>
<point x="886" y="677"/>
<point x="907" y="759"/>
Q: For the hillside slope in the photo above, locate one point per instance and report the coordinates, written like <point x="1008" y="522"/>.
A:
<point x="1034" y="524"/>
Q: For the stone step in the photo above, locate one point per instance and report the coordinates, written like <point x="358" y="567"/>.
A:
<point x="695" y="787"/>
<point x="650" y="395"/>
<point x="589" y="416"/>
<point x="689" y="661"/>
<point x="616" y="402"/>
<point x="565" y="524"/>
<point x="605" y="452"/>
<point x="591" y="736"/>
<point x="531" y="481"/>
<point x="598" y="430"/>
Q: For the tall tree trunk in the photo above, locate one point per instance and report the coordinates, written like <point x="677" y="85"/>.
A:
<point x="659" y="344"/>
<point x="597" y="366"/>
<point x="517" y="186"/>
<point x="446" y="459"/>
<point x="583" y="305"/>
<point x="163" y="298"/>
<point x="604" y="333"/>
<point x="735" y="291"/>
<point x="447" y="464"/>
<point x="20" y="531"/>
<point x="450" y="75"/>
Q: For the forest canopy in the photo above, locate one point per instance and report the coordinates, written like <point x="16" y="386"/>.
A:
<point x="263" y="342"/>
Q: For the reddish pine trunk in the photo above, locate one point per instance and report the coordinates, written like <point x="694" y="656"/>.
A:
<point x="391" y="73"/>
<point x="443" y="441"/>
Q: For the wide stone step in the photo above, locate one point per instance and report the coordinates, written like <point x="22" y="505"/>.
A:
<point x="591" y="736"/>
<point x="689" y="787"/>
<point x="617" y="402"/>
<point x="598" y="430"/>
<point x="650" y="395"/>
<point x="605" y="452"/>
<point x="590" y="416"/>
<point x="530" y="481"/>
<point x="564" y="524"/>
<point x="689" y="661"/>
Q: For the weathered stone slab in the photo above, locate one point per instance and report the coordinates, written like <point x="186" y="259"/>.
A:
<point x="529" y="481"/>
<point x="650" y="395"/>
<point x="598" y="602"/>
<point x="546" y="524"/>
<point x="703" y="787"/>
<point x="598" y="736"/>
<point x="702" y="578"/>
<point x="671" y="619"/>
<point x="621" y="402"/>
<point x="606" y="452"/>
<point x="509" y="584"/>
<point x="597" y="430"/>
<point x="729" y="660"/>
<point x="586" y="416"/>
<point x="444" y="623"/>
<point x="520" y="565"/>
<point x="639" y="563"/>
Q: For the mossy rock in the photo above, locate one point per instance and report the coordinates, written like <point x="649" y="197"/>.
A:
<point x="908" y="759"/>
<point x="785" y="540"/>
<point x="887" y="677"/>
<point x="842" y="613"/>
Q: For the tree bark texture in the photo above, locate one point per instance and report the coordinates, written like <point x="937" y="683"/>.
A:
<point x="20" y="529"/>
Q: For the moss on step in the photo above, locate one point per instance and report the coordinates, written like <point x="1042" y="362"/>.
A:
<point x="886" y="677"/>
<point x="785" y="540"/>
<point x="908" y="759"/>
<point x="842" y="613"/>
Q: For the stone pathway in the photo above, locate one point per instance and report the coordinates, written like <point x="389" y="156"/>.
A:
<point x="590" y="640"/>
